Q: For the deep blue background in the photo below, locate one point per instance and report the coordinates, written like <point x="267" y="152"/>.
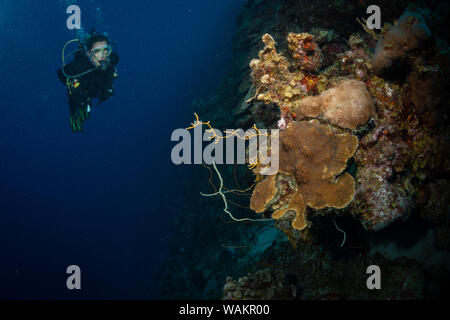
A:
<point x="103" y="199"/>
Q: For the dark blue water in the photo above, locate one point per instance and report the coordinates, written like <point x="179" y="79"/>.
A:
<point x="103" y="199"/>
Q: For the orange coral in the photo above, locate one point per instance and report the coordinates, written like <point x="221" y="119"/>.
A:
<point x="274" y="82"/>
<point x="310" y="82"/>
<point x="348" y="105"/>
<point x="305" y="51"/>
<point x="311" y="156"/>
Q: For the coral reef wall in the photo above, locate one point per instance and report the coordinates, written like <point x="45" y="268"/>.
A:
<point x="364" y="158"/>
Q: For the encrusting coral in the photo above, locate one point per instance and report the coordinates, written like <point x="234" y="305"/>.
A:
<point x="273" y="80"/>
<point x="312" y="158"/>
<point x="347" y="105"/>
<point x="305" y="51"/>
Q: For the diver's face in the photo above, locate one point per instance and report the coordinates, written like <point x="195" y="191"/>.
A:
<point x="100" y="52"/>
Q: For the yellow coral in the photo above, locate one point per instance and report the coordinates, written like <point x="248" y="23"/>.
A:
<point x="273" y="80"/>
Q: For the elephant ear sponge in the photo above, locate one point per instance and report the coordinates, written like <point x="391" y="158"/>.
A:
<point x="264" y="192"/>
<point x="347" y="105"/>
<point x="312" y="159"/>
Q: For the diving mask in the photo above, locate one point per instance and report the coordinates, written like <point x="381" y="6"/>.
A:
<point x="101" y="52"/>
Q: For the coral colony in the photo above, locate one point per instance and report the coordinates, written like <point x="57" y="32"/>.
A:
<point x="349" y="110"/>
<point x="324" y="121"/>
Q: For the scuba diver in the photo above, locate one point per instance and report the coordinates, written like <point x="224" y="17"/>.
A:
<point x="89" y="75"/>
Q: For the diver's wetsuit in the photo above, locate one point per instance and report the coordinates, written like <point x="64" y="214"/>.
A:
<point x="96" y="84"/>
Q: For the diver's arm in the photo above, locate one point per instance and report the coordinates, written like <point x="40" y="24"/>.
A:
<point x="70" y="69"/>
<point x="107" y="88"/>
<point x="106" y="92"/>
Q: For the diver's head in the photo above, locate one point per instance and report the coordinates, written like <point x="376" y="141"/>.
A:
<point x="98" y="51"/>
